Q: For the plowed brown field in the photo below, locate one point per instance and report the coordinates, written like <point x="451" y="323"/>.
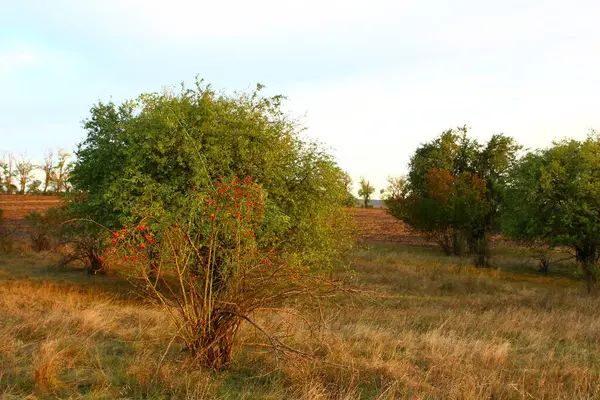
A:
<point x="17" y="206"/>
<point x="376" y="225"/>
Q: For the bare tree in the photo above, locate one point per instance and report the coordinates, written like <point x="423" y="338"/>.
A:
<point x="8" y="169"/>
<point x="23" y="171"/>
<point x="60" y="175"/>
<point x="48" y="169"/>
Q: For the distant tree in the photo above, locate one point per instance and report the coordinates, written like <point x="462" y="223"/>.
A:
<point x="48" y="169"/>
<point x="397" y="187"/>
<point x="554" y="196"/>
<point x="23" y="171"/>
<point x="365" y="191"/>
<point x="395" y="194"/>
<point x="8" y="170"/>
<point x="61" y="172"/>
<point x="456" y="188"/>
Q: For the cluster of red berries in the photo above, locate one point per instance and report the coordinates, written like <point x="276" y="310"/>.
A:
<point x="235" y="200"/>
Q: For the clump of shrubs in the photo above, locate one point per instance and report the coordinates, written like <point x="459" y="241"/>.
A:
<point x="79" y="240"/>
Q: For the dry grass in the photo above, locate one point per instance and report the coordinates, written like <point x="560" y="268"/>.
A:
<point x="430" y="327"/>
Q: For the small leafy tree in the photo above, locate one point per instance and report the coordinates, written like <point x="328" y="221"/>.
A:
<point x="554" y="196"/>
<point x="455" y="187"/>
<point x="365" y="191"/>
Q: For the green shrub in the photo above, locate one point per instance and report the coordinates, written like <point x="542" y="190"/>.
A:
<point x="144" y="158"/>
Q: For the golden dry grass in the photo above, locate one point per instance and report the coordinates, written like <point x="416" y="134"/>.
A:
<point x="428" y="327"/>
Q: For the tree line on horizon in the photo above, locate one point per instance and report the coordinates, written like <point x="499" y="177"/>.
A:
<point x="18" y="174"/>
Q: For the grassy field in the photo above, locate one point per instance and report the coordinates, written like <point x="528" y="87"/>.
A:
<point x="425" y="326"/>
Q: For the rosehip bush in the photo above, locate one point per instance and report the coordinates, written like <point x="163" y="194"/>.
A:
<point x="209" y="272"/>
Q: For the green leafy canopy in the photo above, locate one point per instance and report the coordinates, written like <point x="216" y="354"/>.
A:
<point x="146" y="156"/>
<point x="554" y="195"/>
<point x="455" y="187"/>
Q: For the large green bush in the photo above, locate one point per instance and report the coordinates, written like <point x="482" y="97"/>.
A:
<point x="146" y="156"/>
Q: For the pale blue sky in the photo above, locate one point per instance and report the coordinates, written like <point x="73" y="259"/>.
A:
<point x="374" y="78"/>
